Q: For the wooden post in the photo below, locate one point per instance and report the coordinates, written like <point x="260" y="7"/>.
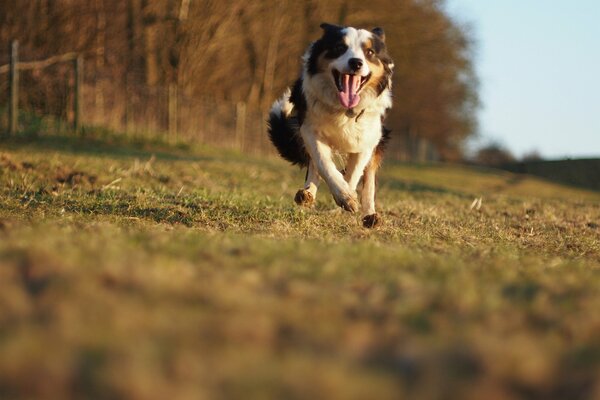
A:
<point x="13" y="104"/>
<point x="128" y="107"/>
<point x="78" y="68"/>
<point x="172" y="110"/>
<point x="240" y="124"/>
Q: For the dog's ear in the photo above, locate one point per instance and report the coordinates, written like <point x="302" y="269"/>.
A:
<point x="379" y="33"/>
<point x="330" y="27"/>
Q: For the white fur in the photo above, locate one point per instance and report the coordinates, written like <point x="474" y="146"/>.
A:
<point x="312" y="179"/>
<point x="367" y="198"/>
<point x="283" y="104"/>
<point x="328" y="128"/>
<point x="354" y="38"/>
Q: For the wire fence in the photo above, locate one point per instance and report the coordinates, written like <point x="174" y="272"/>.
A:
<point x="155" y="111"/>
<point x="163" y="111"/>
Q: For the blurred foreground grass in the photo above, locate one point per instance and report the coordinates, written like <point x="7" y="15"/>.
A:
<point x="155" y="272"/>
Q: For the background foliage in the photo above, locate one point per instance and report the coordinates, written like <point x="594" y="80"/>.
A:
<point x="249" y="51"/>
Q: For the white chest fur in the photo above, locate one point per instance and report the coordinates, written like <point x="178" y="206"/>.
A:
<point x="343" y="133"/>
<point x="330" y="123"/>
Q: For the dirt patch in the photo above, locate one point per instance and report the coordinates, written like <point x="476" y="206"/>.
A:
<point x="73" y="177"/>
<point x="7" y="162"/>
<point x="6" y="224"/>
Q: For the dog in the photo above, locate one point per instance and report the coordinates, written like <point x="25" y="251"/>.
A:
<point x="338" y="106"/>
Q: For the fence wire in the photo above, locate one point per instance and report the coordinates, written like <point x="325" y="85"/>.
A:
<point x="161" y="112"/>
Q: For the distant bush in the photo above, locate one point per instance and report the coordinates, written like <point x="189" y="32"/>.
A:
<point x="583" y="173"/>
<point x="533" y="155"/>
<point x="493" y="155"/>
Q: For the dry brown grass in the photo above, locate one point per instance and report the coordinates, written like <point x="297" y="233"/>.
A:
<point x="168" y="273"/>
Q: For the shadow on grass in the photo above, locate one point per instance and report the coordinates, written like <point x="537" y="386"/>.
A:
<point x="415" y="187"/>
<point x="192" y="210"/>
<point x="105" y="144"/>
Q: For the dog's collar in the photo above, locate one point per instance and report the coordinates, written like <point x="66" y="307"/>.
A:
<point x="351" y="113"/>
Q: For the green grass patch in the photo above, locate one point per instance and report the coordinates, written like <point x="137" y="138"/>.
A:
<point x="157" y="271"/>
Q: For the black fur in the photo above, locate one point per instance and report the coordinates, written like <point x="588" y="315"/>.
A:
<point x="386" y="135"/>
<point x="284" y="132"/>
<point x="384" y="81"/>
<point x="383" y="56"/>
<point x="299" y="101"/>
<point x="379" y="33"/>
<point x="331" y="43"/>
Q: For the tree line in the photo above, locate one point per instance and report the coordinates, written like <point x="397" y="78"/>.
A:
<point x="233" y="50"/>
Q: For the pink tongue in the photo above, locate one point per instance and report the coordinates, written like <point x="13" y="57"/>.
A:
<point x="349" y="96"/>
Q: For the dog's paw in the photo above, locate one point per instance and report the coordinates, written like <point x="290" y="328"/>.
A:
<point x="371" y="221"/>
<point x="347" y="202"/>
<point x="304" y="198"/>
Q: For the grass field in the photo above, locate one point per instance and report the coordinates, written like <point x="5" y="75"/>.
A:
<point x="166" y="272"/>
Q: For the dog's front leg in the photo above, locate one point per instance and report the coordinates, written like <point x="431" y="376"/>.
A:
<point x="355" y="167"/>
<point x="370" y="217"/>
<point x="364" y="165"/>
<point x="322" y="156"/>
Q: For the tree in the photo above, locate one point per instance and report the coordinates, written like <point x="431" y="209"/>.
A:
<point x="493" y="155"/>
<point x="250" y="51"/>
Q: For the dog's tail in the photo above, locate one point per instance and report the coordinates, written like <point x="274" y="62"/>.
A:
<point x="284" y="131"/>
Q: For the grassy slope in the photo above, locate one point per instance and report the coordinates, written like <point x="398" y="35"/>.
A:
<point x="168" y="273"/>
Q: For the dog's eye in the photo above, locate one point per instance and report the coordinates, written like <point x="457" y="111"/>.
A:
<point x="370" y="53"/>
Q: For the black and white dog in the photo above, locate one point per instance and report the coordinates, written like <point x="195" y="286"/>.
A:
<point x="337" y="106"/>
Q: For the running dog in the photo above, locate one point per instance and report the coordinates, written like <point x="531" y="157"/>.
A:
<point x="337" y="106"/>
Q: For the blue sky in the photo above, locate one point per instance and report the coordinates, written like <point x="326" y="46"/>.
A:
<point x="539" y="65"/>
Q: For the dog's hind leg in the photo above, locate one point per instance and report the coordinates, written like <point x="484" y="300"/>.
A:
<point x="306" y="196"/>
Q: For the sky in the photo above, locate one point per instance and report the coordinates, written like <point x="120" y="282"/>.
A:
<point x="539" y="66"/>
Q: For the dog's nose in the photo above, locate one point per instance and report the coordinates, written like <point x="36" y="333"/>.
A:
<point x="355" y="64"/>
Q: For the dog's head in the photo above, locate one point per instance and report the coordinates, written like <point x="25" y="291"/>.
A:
<point x="348" y="62"/>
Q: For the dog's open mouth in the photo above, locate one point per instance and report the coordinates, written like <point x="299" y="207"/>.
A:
<point x="348" y="87"/>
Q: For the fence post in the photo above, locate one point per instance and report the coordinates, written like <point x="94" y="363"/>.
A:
<point x="422" y="150"/>
<point x="172" y="110"/>
<point x="78" y="69"/>
<point x="240" y="124"/>
<point x="13" y="106"/>
<point x="128" y="107"/>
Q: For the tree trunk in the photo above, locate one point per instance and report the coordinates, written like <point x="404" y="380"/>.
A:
<point x="271" y="59"/>
<point x="150" y="53"/>
<point x="100" y="57"/>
